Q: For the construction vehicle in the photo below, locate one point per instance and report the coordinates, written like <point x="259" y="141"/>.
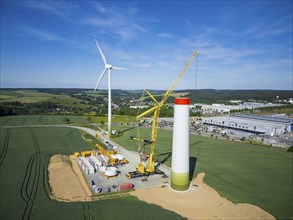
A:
<point x="150" y="168"/>
<point x="86" y="153"/>
<point x="110" y="156"/>
<point x="76" y="154"/>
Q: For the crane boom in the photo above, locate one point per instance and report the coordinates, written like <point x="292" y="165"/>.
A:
<point x="150" y="168"/>
<point x="180" y="75"/>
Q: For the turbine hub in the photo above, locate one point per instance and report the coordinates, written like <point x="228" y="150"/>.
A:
<point x="108" y="66"/>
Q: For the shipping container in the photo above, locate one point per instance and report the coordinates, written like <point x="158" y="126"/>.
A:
<point x="125" y="186"/>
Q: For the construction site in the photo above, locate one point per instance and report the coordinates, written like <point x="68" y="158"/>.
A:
<point x="146" y="110"/>
<point x="107" y="168"/>
<point x="109" y="171"/>
<point x="112" y="168"/>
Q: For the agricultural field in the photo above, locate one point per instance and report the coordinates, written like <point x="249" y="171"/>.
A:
<point x="24" y="96"/>
<point x="94" y="94"/>
<point x="242" y="173"/>
<point x="34" y="96"/>
<point x="41" y="120"/>
<point x="24" y="191"/>
<point x="59" y="119"/>
<point x="116" y="119"/>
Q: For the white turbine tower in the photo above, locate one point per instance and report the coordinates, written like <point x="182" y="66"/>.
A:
<point x="108" y="67"/>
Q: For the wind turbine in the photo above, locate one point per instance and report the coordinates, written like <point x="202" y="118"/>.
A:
<point x="108" y="67"/>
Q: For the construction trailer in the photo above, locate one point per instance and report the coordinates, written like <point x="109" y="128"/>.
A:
<point x="125" y="186"/>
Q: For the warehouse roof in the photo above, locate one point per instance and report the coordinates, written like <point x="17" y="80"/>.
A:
<point x="265" y="118"/>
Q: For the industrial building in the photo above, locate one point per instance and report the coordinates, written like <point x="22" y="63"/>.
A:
<point x="221" y="108"/>
<point x="258" y="124"/>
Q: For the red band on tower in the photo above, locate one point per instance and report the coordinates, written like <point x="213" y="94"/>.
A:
<point x="181" y="101"/>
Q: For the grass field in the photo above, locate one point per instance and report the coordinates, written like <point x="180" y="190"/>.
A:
<point x="242" y="173"/>
<point x="25" y="153"/>
<point x="58" y="119"/>
<point x="66" y="100"/>
<point x="24" y="96"/>
<point x="115" y="119"/>
<point x="33" y="96"/>
<point x="40" y="120"/>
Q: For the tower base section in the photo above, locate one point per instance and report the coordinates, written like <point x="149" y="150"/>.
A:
<point x="180" y="181"/>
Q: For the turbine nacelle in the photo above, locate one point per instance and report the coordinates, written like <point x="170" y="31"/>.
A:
<point x="108" y="66"/>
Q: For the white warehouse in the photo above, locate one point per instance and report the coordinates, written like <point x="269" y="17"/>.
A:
<point x="221" y="108"/>
<point x="253" y="123"/>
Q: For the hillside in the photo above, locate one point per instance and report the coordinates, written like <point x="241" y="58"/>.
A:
<point x="76" y="101"/>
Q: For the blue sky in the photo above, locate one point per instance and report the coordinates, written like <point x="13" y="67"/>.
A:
<point x="241" y="44"/>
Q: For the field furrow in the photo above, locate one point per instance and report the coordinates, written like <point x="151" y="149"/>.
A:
<point x="33" y="178"/>
<point x="4" y="149"/>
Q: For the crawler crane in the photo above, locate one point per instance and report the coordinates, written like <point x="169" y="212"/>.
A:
<point x="150" y="167"/>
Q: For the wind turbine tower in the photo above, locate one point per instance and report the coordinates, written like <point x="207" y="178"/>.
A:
<point x="108" y="67"/>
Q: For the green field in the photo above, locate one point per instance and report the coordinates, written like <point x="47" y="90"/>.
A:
<point x="25" y="153"/>
<point x="58" y="119"/>
<point x="34" y="96"/>
<point x="40" y="120"/>
<point x="115" y="119"/>
<point x="242" y="173"/>
<point x="24" y="96"/>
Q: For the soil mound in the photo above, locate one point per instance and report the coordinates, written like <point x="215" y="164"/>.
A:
<point x="66" y="180"/>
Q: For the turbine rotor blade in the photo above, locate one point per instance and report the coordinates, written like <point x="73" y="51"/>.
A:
<point x="103" y="73"/>
<point x="119" y="68"/>
<point x="101" y="52"/>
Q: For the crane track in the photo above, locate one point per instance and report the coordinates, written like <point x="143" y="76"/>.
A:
<point x="32" y="177"/>
<point x="4" y="150"/>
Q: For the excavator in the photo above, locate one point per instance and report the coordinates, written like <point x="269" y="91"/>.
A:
<point x="150" y="168"/>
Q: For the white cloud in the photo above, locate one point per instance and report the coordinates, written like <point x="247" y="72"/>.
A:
<point x="165" y="35"/>
<point x="133" y="10"/>
<point x="41" y="34"/>
<point x="123" y="23"/>
<point x="101" y="8"/>
<point x="143" y="65"/>
<point x="109" y="22"/>
<point x="59" y="8"/>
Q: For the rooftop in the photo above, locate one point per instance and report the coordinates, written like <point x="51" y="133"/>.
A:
<point x="264" y="118"/>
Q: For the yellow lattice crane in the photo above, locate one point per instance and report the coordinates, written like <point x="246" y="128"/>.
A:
<point x="150" y="168"/>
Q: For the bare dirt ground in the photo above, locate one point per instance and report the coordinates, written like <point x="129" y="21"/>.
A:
<point x="202" y="202"/>
<point x="66" y="180"/>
